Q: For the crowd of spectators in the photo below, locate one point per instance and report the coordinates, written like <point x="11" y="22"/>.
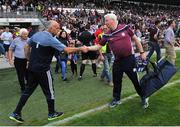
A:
<point x="8" y="6"/>
<point x="74" y="19"/>
<point x="139" y="16"/>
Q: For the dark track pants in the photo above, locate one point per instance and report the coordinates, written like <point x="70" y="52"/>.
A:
<point x="46" y="84"/>
<point x="20" y="65"/>
<point x="126" y="65"/>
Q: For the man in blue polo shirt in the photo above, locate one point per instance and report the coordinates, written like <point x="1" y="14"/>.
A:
<point x="40" y="50"/>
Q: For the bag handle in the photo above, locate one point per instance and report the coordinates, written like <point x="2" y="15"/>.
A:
<point x="155" y="68"/>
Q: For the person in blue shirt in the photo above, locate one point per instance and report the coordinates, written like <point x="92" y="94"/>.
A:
<point x="63" y="38"/>
<point x="16" y="49"/>
<point x="39" y="51"/>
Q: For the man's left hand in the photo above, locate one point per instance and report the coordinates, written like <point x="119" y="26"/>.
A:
<point x="143" y="56"/>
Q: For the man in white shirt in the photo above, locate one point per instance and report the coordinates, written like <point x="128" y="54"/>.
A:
<point x="169" y="41"/>
<point x="7" y="38"/>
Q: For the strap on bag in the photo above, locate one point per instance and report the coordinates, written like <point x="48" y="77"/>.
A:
<point x="155" y="68"/>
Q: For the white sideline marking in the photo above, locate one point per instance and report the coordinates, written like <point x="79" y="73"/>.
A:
<point x="65" y="120"/>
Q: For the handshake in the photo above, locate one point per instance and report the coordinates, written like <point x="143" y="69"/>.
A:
<point x="84" y="49"/>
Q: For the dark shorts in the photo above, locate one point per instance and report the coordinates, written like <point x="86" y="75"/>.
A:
<point x="92" y="55"/>
<point x="6" y="47"/>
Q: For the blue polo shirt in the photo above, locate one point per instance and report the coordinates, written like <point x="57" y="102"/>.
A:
<point x="18" y="47"/>
<point x="43" y="46"/>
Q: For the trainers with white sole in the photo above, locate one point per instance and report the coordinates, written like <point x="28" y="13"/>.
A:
<point x="114" y="103"/>
<point x="145" y="102"/>
<point x="16" y="117"/>
<point x="55" y="115"/>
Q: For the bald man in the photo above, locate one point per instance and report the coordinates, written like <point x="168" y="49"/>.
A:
<point x="39" y="51"/>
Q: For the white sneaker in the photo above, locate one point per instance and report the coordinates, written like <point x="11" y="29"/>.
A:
<point x="110" y="83"/>
<point x="145" y="102"/>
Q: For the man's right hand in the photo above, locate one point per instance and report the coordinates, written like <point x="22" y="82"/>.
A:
<point x="11" y="62"/>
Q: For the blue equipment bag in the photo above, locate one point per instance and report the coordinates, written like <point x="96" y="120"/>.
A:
<point x="153" y="80"/>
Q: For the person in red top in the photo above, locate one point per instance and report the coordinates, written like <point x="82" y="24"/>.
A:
<point x="119" y="39"/>
<point x="98" y="32"/>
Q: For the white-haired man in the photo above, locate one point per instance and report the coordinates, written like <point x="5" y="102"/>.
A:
<point x="20" y="61"/>
<point x="119" y="39"/>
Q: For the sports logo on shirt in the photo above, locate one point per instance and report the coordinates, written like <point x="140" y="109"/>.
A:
<point x="123" y="34"/>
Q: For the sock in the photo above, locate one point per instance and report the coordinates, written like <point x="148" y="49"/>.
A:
<point x="94" y="68"/>
<point x="82" y="69"/>
<point x="50" y="106"/>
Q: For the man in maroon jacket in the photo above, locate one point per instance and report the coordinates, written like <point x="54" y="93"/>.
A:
<point x="119" y="38"/>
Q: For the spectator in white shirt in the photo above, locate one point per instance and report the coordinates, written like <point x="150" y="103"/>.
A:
<point x="7" y="38"/>
<point x="169" y="41"/>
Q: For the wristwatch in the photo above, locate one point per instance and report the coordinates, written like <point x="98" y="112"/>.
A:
<point x="141" y="52"/>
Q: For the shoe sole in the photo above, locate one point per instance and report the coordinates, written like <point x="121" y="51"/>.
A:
<point x="115" y="105"/>
<point x="50" y="119"/>
<point x="12" y="118"/>
<point x="145" y="107"/>
<point x="110" y="85"/>
<point x="147" y="104"/>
